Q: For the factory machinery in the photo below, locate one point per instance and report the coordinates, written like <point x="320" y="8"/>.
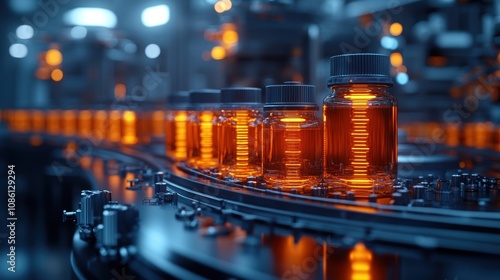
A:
<point x="143" y="215"/>
<point x="137" y="201"/>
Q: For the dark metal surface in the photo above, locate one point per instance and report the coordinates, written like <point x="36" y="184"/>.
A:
<point x="218" y="231"/>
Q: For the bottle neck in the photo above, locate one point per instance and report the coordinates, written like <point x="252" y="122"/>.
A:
<point x="287" y="113"/>
<point x="360" y="89"/>
<point x="233" y="112"/>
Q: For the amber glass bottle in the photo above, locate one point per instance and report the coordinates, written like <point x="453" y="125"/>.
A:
<point x="84" y="123"/>
<point x="360" y="125"/>
<point x="54" y="122"/>
<point x="202" y="144"/>
<point x="69" y="122"/>
<point x="175" y="126"/>
<point x="114" y="128"/>
<point x="129" y="127"/>
<point x="99" y="124"/>
<point x="239" y="132"/>
<point x="292" y="137"/>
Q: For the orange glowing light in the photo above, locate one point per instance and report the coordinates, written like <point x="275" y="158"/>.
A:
<point x="129" y="124"/>
<point x="70" y="149"/>
<point x="293" y="152"/>
<point x="230" y="37"/>
<point x="53" y="57"/>
<point x="360" y="276"/>
<point x="21" y="121"/>
<point x="469" y="135"/>
<point x="114" y="132"/>
<point x="290" y="147"/>
<point x="242" y="147"/>
<point x="84" y="123"/>
<point x="99" y="124"/>
<point x="360" y="149"/>
<point x="396" y="29"/>
<point x="360" y="258"/>
<point x="360" y="252"/>
<point x="396" y="59"/>
<point x="86" y="162"/>
<point x="357" y="208"/>
<point x="218" y="53"/>
<point x="206" y="143"/>
<point x="120" y="91"/>
<point x="293" y="120"/>
<point x="228" y="26"/>
<point x="129" y="116"/>
<point x="53" y="122"/>
<point x="69" y="123"/>
<point x="38" y="121"/>
<point x="180" y="135"/>
<point x="483" y="134"/>
<point x="57" y="75"/>
<point x="361" y="266"/>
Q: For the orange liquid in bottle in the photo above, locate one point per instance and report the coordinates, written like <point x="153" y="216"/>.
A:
<point x="360" y="125"/>
<point x="129" y="132"/>
<point x="202" y="140"/>
<point x="84" y="123"/>
<point x="99" y="124"/>
<point x="201" y="129"/>
<point x="69" y="123"/>
<point x="38" y="121"/>
<point x="21" y="121"/>
<point x="176" y="135"/>
<point x="361" y="143"/>
<point x="53" y="122"/>
<point x="292" y="150"/>
<point x="114" y="133"/>
<point x="240" y="153"/>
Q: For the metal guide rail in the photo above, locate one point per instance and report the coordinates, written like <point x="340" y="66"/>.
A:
<point x="164" y="220"/>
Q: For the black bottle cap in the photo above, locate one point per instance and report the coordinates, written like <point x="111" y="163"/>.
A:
<point x="360" y="68"/>
<point x="178" y="100"/>
<point x="290" y="96"/>
<point x="204" y="99"/>
<point x="241" y="97"/>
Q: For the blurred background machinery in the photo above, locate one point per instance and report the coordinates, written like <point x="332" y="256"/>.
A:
<point x="66" y="60"/>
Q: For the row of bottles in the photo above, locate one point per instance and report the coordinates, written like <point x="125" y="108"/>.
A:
<point x="281" y="141"/>
<point x="354" y="147"/>
<point x="114" y="126"/>
<point x="474" y="134"/>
